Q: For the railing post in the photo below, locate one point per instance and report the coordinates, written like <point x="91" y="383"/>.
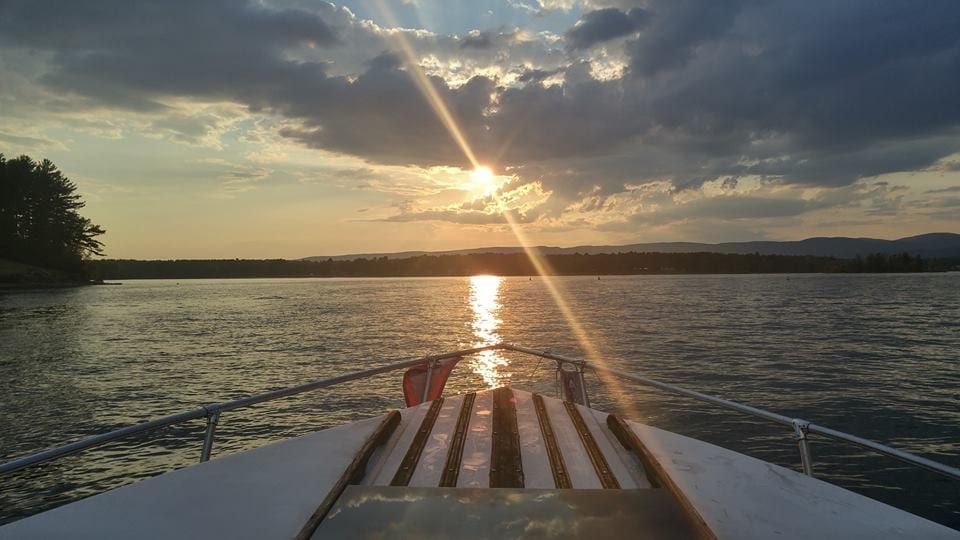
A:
<point x="559" y="379"/>
<point x="583" y="387"/>
<point x="426" y="386"/>
<point x="800" y="428"/>
<point x="213" y="416"/>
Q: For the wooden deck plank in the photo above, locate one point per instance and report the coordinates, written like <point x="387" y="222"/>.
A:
<point x="434" y="456"/>
<point x="575" y="457"/>
<point x="451" y="467"/>
<point x="599" y="461"/>
<point x="475" y="464"/>
<point x="561" y="478"/>
<point x="412" y="457"/>
<point x="624" y="465"/>
<point x="533" y="449"/>
<point x="388" y="460"/>
<point x="506" y="465"/>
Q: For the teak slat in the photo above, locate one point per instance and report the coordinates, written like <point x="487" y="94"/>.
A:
<point x="506" y="465"/>
<point x="600" y="465"/>
<point x="412" y="457"/>
<point x="560" y="476"/>
<point x="451" y="470"/>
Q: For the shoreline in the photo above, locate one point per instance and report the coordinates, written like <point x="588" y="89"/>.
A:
<point x="22" y="286"/>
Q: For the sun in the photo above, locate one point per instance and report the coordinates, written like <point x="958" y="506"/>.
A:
<point x="483" y="180"/>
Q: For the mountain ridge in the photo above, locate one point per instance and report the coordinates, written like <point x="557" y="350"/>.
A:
<point x="937" y="244"/>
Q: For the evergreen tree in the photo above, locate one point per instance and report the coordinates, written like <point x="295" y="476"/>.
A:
<point x="40" y="221"/>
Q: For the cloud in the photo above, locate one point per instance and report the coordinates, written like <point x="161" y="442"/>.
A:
<point x="23" y="141"/>
<point x="797" y="93"/>
<point x="951" y="189"/>
<point x="477" y="40"/>
<point x="677" y="28"/>
<point x="605" y="24"/>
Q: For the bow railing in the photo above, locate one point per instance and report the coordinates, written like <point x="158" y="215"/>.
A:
<point x="800" y="428"/>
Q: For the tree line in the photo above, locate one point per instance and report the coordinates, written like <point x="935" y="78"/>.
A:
<point x="40" y="222"/>
<point x="515" y="264"/>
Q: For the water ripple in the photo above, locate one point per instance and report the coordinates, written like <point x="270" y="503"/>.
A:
<point x="873" y="355"/>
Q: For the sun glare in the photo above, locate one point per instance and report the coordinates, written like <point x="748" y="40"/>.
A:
<point x="483" y="180"/>
<point x="485" y="303"/>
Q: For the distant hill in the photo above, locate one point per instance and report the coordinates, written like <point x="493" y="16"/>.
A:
<point x="927" y="245"/>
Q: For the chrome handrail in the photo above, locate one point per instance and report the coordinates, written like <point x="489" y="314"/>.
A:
<point x="212" y="412"/>
<point x="800" y="427"/>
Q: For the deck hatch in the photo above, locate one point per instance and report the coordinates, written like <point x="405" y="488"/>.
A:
<point x="507" y="513"/>
<point x="506" y="465"/>
<point x="557" y="466"/>
<point x="451" y="470"/>
<point x="412" y="457"/>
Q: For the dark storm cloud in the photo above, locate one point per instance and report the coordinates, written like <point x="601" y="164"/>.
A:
<point x="478" y="40"/>
<point x="142" y="25"/>
<point x="677" y="28"/>
<point x="537" y="75"/>
<point x="382" y="116"/>
<point x="605" y="24"/>
<point x="815" y="93"/>
<point x="128" y="53"/>
<point x="133" y="54"/>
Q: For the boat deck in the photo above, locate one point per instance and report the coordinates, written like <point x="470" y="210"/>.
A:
<point x="424" y="472"/>
<point x="506" y="438"/>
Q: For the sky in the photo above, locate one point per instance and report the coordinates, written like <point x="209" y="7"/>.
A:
<point x="291" y="128"/>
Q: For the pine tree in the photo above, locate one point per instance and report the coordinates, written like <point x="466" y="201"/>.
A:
<point x="40" y="221"/>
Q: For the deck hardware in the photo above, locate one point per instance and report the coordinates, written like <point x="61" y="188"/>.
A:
<point x="800" y="428"/>
<point x="213" y="417"/>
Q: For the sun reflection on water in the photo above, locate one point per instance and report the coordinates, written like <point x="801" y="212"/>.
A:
<point x="485" y="302"/>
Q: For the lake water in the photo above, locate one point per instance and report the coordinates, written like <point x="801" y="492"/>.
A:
<point x="874" y="355"/>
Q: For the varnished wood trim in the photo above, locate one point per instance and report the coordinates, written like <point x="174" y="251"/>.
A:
<point x="352" y="474"/>
<point x="560" y="477"/>
<point x="451" y="470"/>
<point x="629" y="439"/>
<point x="412" y="457"/>
<point x="625" y="435"/>
<point x="600" y="465"/>
<point x="506" y="465"/>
